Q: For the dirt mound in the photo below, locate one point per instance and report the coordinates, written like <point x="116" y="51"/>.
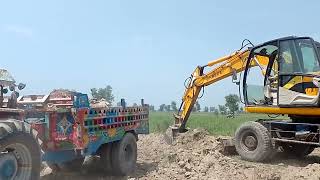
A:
<point x="196" y="155"/>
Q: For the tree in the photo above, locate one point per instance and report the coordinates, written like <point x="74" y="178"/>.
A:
<point x="162" y="107"/>
<point x="214" y="110"/>
<point x="241" y="110"/>
<point x="206" y="109"/>
<point x="222" y="109"/>
<point x="232" y="103"/>
<point x="198" y="107"/>
<point x="174" y="106"/>
<point x="211" y="109"/>
<point x="151" y="108"/>
<point x="167" y="108"/>
<point x="103" y="93"/>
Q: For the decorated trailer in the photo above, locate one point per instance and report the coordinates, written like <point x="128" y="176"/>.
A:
<point x="72" y="128"/>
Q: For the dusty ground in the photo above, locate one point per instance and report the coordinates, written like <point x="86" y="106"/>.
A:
<point x="195" y="155"/>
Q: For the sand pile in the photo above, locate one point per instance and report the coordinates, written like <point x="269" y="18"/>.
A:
<point x="196" y="155"/>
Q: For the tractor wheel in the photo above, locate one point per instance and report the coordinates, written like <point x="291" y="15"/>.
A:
<point x="73" y="165"/>
<point x="20" y="154"/>
<point x="105" y="153"/>
<point x="297" y="150"/>
<point x="124" y="155"/>
<point x="253" y="142"/>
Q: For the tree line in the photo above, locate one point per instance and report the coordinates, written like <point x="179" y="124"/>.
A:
<point x="231" y="106"/>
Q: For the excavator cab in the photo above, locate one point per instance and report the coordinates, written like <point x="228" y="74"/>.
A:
<point x="283" y="73"/>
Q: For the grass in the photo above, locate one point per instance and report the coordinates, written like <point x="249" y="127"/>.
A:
<point x="215" y="124"/>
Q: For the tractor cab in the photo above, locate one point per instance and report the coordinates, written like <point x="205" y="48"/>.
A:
<point x="283" y="73"/>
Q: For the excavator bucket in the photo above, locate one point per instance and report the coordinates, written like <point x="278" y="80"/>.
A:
<point x="170" y="134"/>
<point x="173" y="131"/>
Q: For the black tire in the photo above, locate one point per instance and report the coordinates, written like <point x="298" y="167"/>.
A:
<point x="73" y="165"/>
<point x="105" y="153"/>
<point x="297" y="150"/>
<point x="18" y="134"/>
<point x="253" y="142"/>
<point x="124" y="155"/>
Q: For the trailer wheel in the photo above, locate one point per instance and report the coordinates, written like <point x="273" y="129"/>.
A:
<point x="252" y="142"/>
<point x="105" y="153"/>
<point x="124" y="155"/>
<point x="73" y="165"/>
<point x="19" y="146"/>
<point x="297" y="150"/>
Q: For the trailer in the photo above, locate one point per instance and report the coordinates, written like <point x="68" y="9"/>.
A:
<point x="72" y="128"/>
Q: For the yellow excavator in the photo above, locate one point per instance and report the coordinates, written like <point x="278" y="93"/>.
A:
<point x="278" y="77"/>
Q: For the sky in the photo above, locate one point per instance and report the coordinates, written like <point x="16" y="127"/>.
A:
<point x="142" y="48"/>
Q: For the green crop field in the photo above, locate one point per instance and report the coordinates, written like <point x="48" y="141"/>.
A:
<point x="215" y="124"/>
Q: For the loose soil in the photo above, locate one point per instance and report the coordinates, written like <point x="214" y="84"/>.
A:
<point x="196" y="155"/>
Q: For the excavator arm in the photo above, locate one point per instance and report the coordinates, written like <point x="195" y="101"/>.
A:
<point x="222" y="68"/>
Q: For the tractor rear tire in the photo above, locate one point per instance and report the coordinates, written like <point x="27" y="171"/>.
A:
<point x="253" y="142"/>
<point x="124" y="155"/>
<point x="19" y="144"/>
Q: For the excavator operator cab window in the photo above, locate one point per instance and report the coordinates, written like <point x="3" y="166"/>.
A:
<point x="318" y="47"/>
<point x="1" y="96"/>
<point x="257" y="71"/>
<point x="298" y="56"/>
<point x="309" y="57"/>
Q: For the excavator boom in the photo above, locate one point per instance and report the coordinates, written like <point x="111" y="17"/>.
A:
<point x="222" y="68"/>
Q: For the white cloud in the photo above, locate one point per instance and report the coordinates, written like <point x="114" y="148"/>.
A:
<point x="19" y="30"/>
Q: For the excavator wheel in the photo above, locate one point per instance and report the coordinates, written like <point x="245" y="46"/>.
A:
<point x="253" y="142"/>
<point x="20" y="154"/>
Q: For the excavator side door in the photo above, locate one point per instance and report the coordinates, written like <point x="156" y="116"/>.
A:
<point x="258" y="73"/>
